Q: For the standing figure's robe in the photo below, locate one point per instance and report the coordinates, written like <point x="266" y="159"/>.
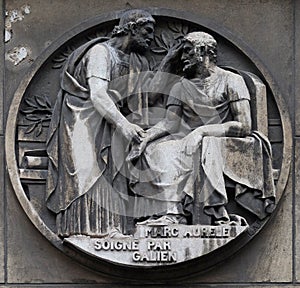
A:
<point x="86" y="189"/>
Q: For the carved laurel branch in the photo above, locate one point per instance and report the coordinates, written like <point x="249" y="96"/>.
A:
<point x="59" y="61"/>
<point x="37" y="111"/>
<point x="163" y="42"/>
<point x="104" y="32"/>
<point x="169" y="37"/>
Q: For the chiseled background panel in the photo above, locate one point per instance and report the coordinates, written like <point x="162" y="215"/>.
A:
<point x="2" y="195"/>
<point x="32" y="259"/>
<point x="297" y="68"/>
<point x="266" y="26"/>
<point x="297" y="139"/>
<point x="297" y="208"/>
<point x="2" y="69"/>
<point x="157" y="286"/>
<point x="267" y="258"/>
<point x="2" y="234"/>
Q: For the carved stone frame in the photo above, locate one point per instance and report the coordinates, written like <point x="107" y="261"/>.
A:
<point x="157" y="273"/>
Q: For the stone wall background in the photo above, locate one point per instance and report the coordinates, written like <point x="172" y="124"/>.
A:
<point x="271" y="28"/>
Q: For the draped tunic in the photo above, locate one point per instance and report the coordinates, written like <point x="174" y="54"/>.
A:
<point x="177" y="178"/>
<point x="85" y="188"/>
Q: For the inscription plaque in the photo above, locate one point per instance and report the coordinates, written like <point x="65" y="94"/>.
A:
<point x="152" y="246"/>
<point x="142" y="141"/>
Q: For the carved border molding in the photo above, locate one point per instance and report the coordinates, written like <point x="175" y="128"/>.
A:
<point x="189" y="267"/>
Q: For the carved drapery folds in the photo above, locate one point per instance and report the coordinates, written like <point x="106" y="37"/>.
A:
<point x="149" y="145"/>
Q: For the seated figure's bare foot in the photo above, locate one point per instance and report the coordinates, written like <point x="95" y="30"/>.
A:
<point x="147" y="221"/>
<point x="234" y="220"/>
<point x="164" y="220"/>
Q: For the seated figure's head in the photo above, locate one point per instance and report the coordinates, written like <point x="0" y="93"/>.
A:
<point x="139" y="26"/>
<point x="198" y="46"/>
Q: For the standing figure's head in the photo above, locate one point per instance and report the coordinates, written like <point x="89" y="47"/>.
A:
<point x="138" y="25"/>
<point x="199" y="50"/>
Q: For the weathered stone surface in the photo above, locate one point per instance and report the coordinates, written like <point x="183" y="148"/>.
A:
<point x="32" y="259"/>
<point x="297" y="208"/>
<point x="1" y="73"/>
<point x="251" y="16"/>
<point x="297" y="68"/>
<point x="147" y="247"/>
<point x="268" y="257"/>
<point x="2" y="239"/>
<point x="155" y="286"/>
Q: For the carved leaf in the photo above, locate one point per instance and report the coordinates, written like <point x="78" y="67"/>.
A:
<point x="66" y="54"/>
<point x="48" y="103"/>
<point x="167" y="39"/>
<point x="178" y="37"/>
<point x="173" y="27"/>
<point x="32" y="117"/>
<point x="57" y="66"/>
<point x="185" y="29"/>
<point x="30" y="128"/>
<point x="61" y="59"/>
<point x="158" y="41"/>
<point x="30" y="102"/>
<point x="41" y="101"/>
<point x="47" y="118"/>
<point x="159" y="50"/>
<point x="179" y="29"/>
<point x="59" y="62"/>
<point x="38" y="130"/>
<point x="37" y="105"/>
<point x="28" y="110"/>
<point x="99" y="33"/>
<point x="162" y="42"/>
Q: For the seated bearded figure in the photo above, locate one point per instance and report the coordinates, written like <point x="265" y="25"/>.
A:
<point x="204" y="141"/>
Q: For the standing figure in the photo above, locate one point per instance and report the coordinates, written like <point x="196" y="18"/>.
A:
<point x="85" y="189"/>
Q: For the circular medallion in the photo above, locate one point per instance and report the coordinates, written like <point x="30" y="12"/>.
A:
<point x="148" y="140"/>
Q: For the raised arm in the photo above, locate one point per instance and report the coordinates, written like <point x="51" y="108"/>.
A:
<point x="167" y="73"/>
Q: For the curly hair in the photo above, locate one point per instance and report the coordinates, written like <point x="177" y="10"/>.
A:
<point x="131" y="19"/>
<point x="204" y="44"/>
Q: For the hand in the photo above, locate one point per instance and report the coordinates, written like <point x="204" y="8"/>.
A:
<point x="175" y="51"/>
<point x="192" y="142"/>
<point x="136" y="150"/>
<point x="132" y="132"/>
<point x="172" y="57"/>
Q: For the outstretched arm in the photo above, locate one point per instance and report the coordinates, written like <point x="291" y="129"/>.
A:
<point x="166" y="126"/>
<point x="107" y="108"/>
<point x="98" y="74"/>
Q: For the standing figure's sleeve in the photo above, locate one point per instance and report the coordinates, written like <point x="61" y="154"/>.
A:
<point x="98" y="63"/>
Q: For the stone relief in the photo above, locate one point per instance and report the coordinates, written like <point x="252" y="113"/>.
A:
<point x="151" y="152"/>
